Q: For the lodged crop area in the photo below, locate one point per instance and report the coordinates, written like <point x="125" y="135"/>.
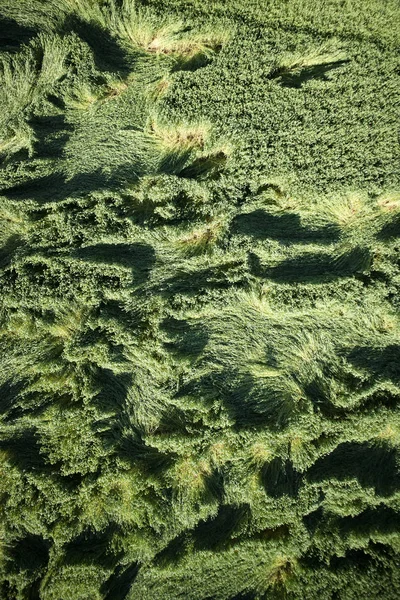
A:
<point x="200" y="294"/>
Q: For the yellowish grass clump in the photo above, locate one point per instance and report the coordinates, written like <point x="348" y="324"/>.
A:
<point x="389" y="202"/>
<point x="66" y="327"/>
<point x="203" y="238"/>
<point x="81" y="98"/>
<point x="306" y="349"/>
<point x="322" y="55"/>
<point x="189" y="476"/>
<point x="157" y="36"/>
<point x="61" y="381"/>
<point x="296" y="444"/>
<point x="90" y="10"/>
<point x="220" y="452"/>
<point x="386" y="323"/>
<point x="281" y="570"/>
<point x="277" y="574"/>
<point x="21" y="140"/>
<point x="115" y="88"/>
<point x="260" y="453"/>
<point x="188" y="146"/>
<point x="299" y="452"/>
<point x="390" y="434"/>
<point x="139" y="28"/>
<point x="348" y="210"/>
<point x="162" y="40"/>
<point x="260" y="370"/>
<point x="159" y="88"/>
<point x="110" y="498"/>
<point x="85" y="96"/>
<point x="257" y="300"/>
<point x="142" y="31"/>
<point x="12" y="222"/>
<point x="20" y="326"/>
<point x="179" y="137"/>
<point x="186" y="47"/>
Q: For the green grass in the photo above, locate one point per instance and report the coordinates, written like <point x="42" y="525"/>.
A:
<point x="199" y="326"/>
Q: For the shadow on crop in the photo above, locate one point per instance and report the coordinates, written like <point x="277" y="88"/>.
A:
<point x="7" y="251"/>
<point x="221" y="276"/>
<point x="289" y="79"/>
<point x="130" y="318"/>
<point x="372" y="466"/>
<point x="174" y="551"/>
<point x="249" y="402"/>
<point x="283" y="227"/>
<point x="382" y="362"/>
<point x="151" y="460"/>
<point x="390" y="230"/>
<point x="29" y="556"/>
<point x="314" y="267"/>
<point x="9" y="396"/>
<point x="92" y="547"/>
<point x="216" y="531"/>
<point x="23" y="450"/>
<point x="30" y="553"/>
<point x="13" y="35"/>
<point x="381" y="519"/>
<point x="139" y="257"/>
<point x="51" y="135"/>
<point x="186" y="339"/>
<point x="209" y="167"/>
<point x="313" y="520"/>
<point x="108" y="54"/>
<point x="183" y="163"/>
<point x="55" y="187"/>
<point x="119" y="583"/>
<point x="279" y="478"/>
<point x="197" y="61"/>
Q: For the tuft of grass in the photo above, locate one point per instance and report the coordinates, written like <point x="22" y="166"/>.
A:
<point x="163" y="36"/>
<point x="389" y="435"/>
<point x="180" y="137"/>
<point x="282" y="569"/>
<point x="277" y="575"/>
<point x="169" y="43"/>
<point x="189" y="477"/>
<point x="294" y="63"/>
<point x="67" y="323"/>
<point x="81" y="97"/>
<point x="220" y="453"/>
<point x="389" y="202"/>
<point x="25" y="79"/>
<point x="28" y="75"/>
<point x="91" y="11"/>
<point x="143" y="31"/>
<point x="115" y="87"/>
<point x="352" y="210"/>
<point x="157" y="90"/>
<point x="84" y="95"/>
<point x="348" y="210"/>
<point x="13" y="221"/>
<point x="259" y="454"/>
<point x="203" y="239"/>
<point x="188" y="149"/>
<point x="19" y="325"/>
<point x="262" y="371"/>
<point x="16" y="140"/>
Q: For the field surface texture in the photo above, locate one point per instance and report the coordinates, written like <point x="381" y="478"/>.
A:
<point x="200" y="294"/>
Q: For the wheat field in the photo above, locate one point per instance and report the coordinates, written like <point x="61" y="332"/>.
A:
<point x="200" y="294"/>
